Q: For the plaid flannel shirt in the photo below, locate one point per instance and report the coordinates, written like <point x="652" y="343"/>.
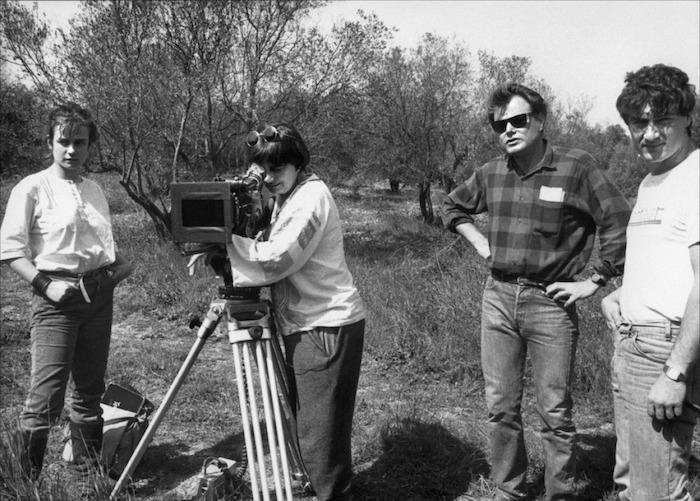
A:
<point x="542" y="225"/>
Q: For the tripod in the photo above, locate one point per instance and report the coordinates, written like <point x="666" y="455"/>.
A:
<point x="252" y="337"/>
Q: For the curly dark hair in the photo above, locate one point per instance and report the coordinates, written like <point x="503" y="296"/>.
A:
<point x="502" y="95"/>
<point x="72" y="116"/>
<point x="664" y="88"/>
<point x="287" y="147"/>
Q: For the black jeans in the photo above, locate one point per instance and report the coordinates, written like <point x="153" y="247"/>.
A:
<point x="324" y="368"/>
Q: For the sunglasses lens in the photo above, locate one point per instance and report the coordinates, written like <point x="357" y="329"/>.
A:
<point x="499" y="126"/>
<point x="252" y="138"/>
<point x="270" y="133"/>
<point x="518" y="121"/>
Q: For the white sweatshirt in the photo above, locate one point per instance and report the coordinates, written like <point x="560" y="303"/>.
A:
<point x="304" y="260"/>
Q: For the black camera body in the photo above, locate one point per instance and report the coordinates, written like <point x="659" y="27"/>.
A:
<point x="210" y="212"/>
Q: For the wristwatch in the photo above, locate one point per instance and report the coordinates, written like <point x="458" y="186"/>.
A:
<point x="599" y="279"/>
<point x="674" y="374"/>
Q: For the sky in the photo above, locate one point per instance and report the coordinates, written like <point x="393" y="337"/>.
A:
<point x="582" y="49"/>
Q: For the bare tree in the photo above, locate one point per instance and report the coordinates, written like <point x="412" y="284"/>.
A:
<point x="416" y="101"/>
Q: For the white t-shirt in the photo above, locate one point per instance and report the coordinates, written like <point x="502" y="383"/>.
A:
<point x="57" y="224"/>
<point x="304" y="260"/>
<point x="664" y="223"/>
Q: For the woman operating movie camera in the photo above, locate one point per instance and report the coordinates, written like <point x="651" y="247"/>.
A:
<point x="318" y="309"/>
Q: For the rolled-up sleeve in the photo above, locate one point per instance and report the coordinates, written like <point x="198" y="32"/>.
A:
<point x="611" y="212"/>
<point x="463" y="202"/>
<point x="16" y="224"/>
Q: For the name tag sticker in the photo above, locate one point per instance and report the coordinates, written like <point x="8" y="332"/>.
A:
<point x="550" y="194"/>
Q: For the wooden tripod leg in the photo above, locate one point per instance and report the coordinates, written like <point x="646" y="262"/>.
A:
<point x="255" y="420"/>
<point x="284" y="438"/>
<point x="272" y="438"/>
<point x="245" y="420"/>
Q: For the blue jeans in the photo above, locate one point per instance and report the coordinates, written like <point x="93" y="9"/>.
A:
<point x="71" y="338"/>
<point x="651" y="461"/>
<point x="517" y="320"/>
<point x="324" y="365"/>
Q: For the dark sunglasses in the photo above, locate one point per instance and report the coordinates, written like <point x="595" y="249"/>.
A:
<point x="269" y="134"/>
<point x="517" y="121"/>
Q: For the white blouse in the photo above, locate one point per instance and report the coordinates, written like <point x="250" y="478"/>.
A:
<point x="58" y="224"/>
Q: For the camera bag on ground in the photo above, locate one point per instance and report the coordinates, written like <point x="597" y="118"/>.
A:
<point x="125" y="413"/>
<point x="218" y="480"/>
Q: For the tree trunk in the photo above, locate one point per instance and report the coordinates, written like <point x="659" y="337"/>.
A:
<point x="394" y="185"/>
<point x="426" y="205"/>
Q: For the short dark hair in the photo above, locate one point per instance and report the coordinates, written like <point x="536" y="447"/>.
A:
<point x="287" y="148"/>
<point x="73" y="116"/>
<point x="664" y="88"/>
<point x="502" y="95"/>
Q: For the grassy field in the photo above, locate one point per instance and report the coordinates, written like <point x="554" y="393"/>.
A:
<point x="419" y="429"/>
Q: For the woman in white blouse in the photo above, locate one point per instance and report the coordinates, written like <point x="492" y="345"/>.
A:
<point x="57" y="235"/>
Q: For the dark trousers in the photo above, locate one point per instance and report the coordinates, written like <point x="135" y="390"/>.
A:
<point x="324" y="367"/>
<point x="71" y="338"/>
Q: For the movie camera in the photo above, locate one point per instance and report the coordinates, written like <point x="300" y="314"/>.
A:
<point x="204" y="215"/>
<point x="210" y="212"/>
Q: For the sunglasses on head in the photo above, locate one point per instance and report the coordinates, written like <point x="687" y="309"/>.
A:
<point x="516" y="121"/>
<point x="269" y="134"/>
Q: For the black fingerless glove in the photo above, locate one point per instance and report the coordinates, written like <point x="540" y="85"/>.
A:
<point x="41" y="283"/>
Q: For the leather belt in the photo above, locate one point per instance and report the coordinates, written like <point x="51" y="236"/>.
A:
<point x="518" y="280"/>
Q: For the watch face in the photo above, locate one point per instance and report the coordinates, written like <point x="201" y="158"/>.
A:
<point x="673" y="373"/>
<point x="597" y="279"/>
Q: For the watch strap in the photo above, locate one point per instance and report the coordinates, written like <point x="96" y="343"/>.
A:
<point x="674" y="374"/>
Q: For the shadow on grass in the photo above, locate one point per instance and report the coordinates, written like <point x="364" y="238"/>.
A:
<point x="420" y="461"/>
<point x="596" y="461"/>
<point x="166" y="466"/>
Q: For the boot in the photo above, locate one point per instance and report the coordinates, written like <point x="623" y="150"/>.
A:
<point x="86" y="441"/>
<point x="33" y="447"/>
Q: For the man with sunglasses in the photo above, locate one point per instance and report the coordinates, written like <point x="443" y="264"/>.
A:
<point x="544" y="204"/>
<point x="656" y="313"/>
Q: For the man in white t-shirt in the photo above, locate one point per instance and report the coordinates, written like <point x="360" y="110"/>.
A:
<point x="656" y="312"/>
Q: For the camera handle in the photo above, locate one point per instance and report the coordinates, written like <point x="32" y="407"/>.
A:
<point x="251" y="335"/>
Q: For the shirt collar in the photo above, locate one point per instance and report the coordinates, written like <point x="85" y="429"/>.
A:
<point x="547" y="161"/>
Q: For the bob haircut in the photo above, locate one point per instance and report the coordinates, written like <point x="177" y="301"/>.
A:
<point x="285" y="147"/>
<point x="664" y="88"/>
<point x="72" y="116"/>
<point x="502" y="95"/>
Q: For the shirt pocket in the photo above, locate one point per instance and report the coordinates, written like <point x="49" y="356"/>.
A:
<point x="548" y="218"/>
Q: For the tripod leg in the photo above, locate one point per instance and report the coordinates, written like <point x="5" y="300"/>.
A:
<point x="255" y="420"/>
<point x="289" y="421"/>
<point x="205" y="330"/>
<point x="278" y="420"/>
<point x="250" y="450"/>
<point x="272" y="439"/>
<point x="158" y="416"/>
